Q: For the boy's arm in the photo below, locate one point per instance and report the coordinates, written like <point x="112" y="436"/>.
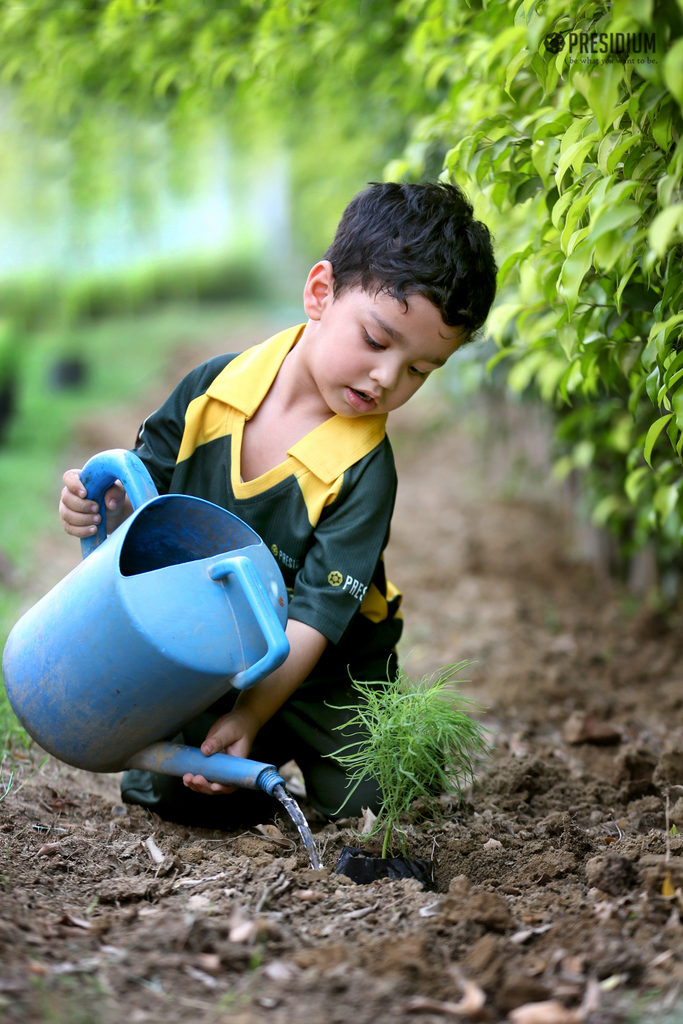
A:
<point x="234" y="733"/>
<point x="157" y="445"/>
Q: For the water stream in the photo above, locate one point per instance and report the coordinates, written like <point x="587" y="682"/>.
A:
<point x="297" y="816"/>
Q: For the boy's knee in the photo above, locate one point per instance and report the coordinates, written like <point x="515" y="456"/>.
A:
<point x="328" y="790"/>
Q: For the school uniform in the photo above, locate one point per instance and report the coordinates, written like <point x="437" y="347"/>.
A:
<point x="325" y="514"/>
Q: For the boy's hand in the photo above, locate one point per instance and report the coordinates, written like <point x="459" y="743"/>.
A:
<point x="233" y="734"/>
<point x="80" y="515"/>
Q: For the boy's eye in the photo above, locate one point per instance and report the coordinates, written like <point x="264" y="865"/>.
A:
<point x="419" y="373"/>
<point x="372" y="343"/>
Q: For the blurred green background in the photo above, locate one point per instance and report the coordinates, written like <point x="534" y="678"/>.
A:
<point x="136" y="240"/>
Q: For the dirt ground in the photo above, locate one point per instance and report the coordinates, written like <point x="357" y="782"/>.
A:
<point x="557" y="899"/>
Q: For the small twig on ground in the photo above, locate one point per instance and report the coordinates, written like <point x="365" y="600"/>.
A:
<point x="267" y="889"/>
<point x="197" y="881"/>
<point x="155" y="854"/>
<point x="363" y="912"/>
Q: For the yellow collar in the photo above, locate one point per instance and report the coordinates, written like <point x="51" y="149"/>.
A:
<point x="328" y="450"/>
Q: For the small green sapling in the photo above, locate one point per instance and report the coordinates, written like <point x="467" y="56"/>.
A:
<point x="416" y="741"/>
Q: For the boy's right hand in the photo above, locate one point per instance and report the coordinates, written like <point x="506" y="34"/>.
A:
<point x="80" y="514"/>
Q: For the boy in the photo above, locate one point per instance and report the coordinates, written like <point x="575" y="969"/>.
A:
<point x="290" y="436"/>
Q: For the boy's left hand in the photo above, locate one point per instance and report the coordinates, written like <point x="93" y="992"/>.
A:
<point x="233" y="734"/>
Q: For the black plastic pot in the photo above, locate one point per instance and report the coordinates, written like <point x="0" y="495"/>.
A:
<point x="364" y="867"/>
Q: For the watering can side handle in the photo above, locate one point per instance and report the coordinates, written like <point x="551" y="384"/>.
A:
<point x="97" y="476"/>
<point x="259" y="602"/>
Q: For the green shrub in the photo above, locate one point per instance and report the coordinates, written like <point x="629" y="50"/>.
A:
<point x="579" y="168"/>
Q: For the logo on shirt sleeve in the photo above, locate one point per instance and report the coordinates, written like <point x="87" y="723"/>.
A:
<point x="351" y="585"/>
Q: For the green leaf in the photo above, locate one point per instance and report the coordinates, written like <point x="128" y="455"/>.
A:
<point x="619" y="151"/>
<point x="635" y="396"/>
<point x="605" y="149"/>
<point x="508" y="265"/>
<point x="673" y="369"/>
<point x="562" y="468"/>
<point x="605" y="509"/>
<point x="603" y="92"/>
<point x="661" y="127"/>
<point x="666" y="225"/>
<point x="524" y="371"/>
<point x="504" y="353"/>
<point x="543" y="154"/>
<point x="576" y="211"/>
<point x="574" y="157"/>
<point x="622" y="284"/>
<point x="583" y="454"/>
<point x="664" y="328"/>
<point x="574" y="269"/>
<point x="574" y="133"/>
<point x="673" y="70"/>
<point x="652" y="435"/>
<point x="635" y="482"/>
<point x="452" y="159"/>
<point x="673" y="285"/>
<point x="661" y="397"/>
<point x="576" y="238"/>
<point x="562" y="204"/>
<point x="500" y="317"/>
<point x="665" y="500"/>
<point x="520" y="60"/>
<point x="612" y="218"/>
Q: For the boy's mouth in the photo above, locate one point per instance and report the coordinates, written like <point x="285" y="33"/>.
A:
<point x="360" y="399"/>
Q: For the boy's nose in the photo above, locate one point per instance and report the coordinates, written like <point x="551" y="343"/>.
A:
<point x="387" y="376"/>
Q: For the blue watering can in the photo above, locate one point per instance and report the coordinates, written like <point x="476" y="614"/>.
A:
<point x="180" y="603"/>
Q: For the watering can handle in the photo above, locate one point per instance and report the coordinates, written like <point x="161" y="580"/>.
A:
<point x="259" y="602"/>
<point x="97" y="476"/>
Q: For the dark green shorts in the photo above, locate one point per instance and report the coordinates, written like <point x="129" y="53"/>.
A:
<point x="305" y="729"/>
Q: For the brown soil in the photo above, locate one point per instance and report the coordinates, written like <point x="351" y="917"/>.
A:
<point x="552" y="881"/>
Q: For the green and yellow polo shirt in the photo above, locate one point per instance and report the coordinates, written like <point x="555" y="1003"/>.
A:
<point x="324" y="512"/>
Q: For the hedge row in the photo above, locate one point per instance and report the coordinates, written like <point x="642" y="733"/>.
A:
<point x="566" y="119"/>
<point x="27" y="305"/>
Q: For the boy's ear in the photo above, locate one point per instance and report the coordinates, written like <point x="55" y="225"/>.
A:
<point x="319" y="289"/>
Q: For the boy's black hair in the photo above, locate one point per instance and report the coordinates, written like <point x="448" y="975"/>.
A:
<point x="405" y="238"/>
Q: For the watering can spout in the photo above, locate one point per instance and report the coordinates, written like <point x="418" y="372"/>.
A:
<point x="179" y="759"/>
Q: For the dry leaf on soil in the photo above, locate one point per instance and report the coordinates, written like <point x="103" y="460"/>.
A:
<point x="369" y="820"/>
<point x="470" y="1005"/>
<point x="549" y="1011"/>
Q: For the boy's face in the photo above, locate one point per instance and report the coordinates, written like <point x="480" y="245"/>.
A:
<point x="367" y="354"/>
